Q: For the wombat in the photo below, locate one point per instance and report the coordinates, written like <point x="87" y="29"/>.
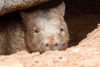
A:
<point x="45" y="29"/>
<point x="40" y="30"/>
<point x="11" y="34"/>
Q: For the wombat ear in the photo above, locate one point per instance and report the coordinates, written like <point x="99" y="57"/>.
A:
<point x="61" y="8"/>
<point x="23" y="14"/>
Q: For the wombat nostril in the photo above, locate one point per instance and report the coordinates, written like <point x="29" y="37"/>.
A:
<point x="56" y="45"/>
<point x="47" y="45"/>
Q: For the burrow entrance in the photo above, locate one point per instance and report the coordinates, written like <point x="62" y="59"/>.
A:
<point x="82" y="17"/>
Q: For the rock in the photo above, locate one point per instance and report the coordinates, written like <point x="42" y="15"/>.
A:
<point x="7" y="6"/>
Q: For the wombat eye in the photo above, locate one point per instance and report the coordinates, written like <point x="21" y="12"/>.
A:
<point x="37" y="30"/>
<point x="61" y="29"/>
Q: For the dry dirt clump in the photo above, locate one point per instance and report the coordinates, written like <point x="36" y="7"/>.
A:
<point x="86" y="54"/>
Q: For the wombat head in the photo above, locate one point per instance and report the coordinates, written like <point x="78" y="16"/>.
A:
<point x="46" y="30"/>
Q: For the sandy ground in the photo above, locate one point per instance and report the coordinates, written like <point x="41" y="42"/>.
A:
<point x="86" y="54"/>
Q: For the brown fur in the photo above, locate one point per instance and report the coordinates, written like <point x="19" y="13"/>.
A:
<point x="48" y="22"/>
<point x="11" y="35"/>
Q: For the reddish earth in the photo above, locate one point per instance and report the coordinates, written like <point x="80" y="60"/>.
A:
<point x="86" y="54"/>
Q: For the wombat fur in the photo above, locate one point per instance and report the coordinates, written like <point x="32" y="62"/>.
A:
<point x="40" y="30"/>
<point x="11" y="34"/>
<point x="45" y="29"/>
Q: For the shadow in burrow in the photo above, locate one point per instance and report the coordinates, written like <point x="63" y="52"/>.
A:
<point x="82" y="17"/>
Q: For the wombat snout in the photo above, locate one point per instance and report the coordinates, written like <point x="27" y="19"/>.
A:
<point x="56" y="44"/>
<point x="52" y="42"/>
<point x="47" y="44"/>
<point x="51" y="46"/>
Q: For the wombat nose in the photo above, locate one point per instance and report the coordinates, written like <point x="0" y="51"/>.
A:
<point x="47" y="44"/>
<point x="53" y="45"/>
<point x="56" y="44"/>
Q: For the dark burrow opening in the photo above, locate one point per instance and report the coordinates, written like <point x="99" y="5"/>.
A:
<point x="82" y="18"/>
